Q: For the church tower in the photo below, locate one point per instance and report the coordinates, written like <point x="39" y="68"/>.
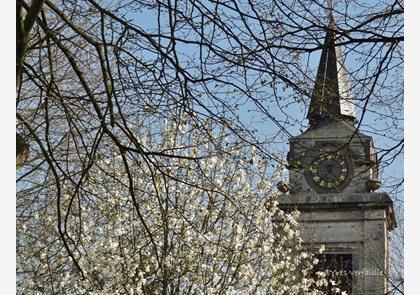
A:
<point x="333" y="177"/>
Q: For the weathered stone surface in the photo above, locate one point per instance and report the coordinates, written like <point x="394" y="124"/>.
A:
<point x="332" y="178"/>
<point x="348" y="223"/>
<point x="335" y="130"/>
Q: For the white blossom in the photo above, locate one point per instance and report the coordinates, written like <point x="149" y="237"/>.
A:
<point x="199" y="225"/>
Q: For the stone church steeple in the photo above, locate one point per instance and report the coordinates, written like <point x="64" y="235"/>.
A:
<point x="332" y="98"/>
<point x="333" y="176"/>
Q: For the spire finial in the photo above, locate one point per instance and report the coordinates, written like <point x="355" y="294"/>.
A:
<point x="331" y="23"/>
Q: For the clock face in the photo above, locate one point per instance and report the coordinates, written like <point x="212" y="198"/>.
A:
<point x="329" y="172"/>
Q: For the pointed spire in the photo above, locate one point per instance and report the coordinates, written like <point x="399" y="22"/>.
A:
<point x="331" y="99"/>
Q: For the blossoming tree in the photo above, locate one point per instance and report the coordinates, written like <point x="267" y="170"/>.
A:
<point x="199" y="222"/>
